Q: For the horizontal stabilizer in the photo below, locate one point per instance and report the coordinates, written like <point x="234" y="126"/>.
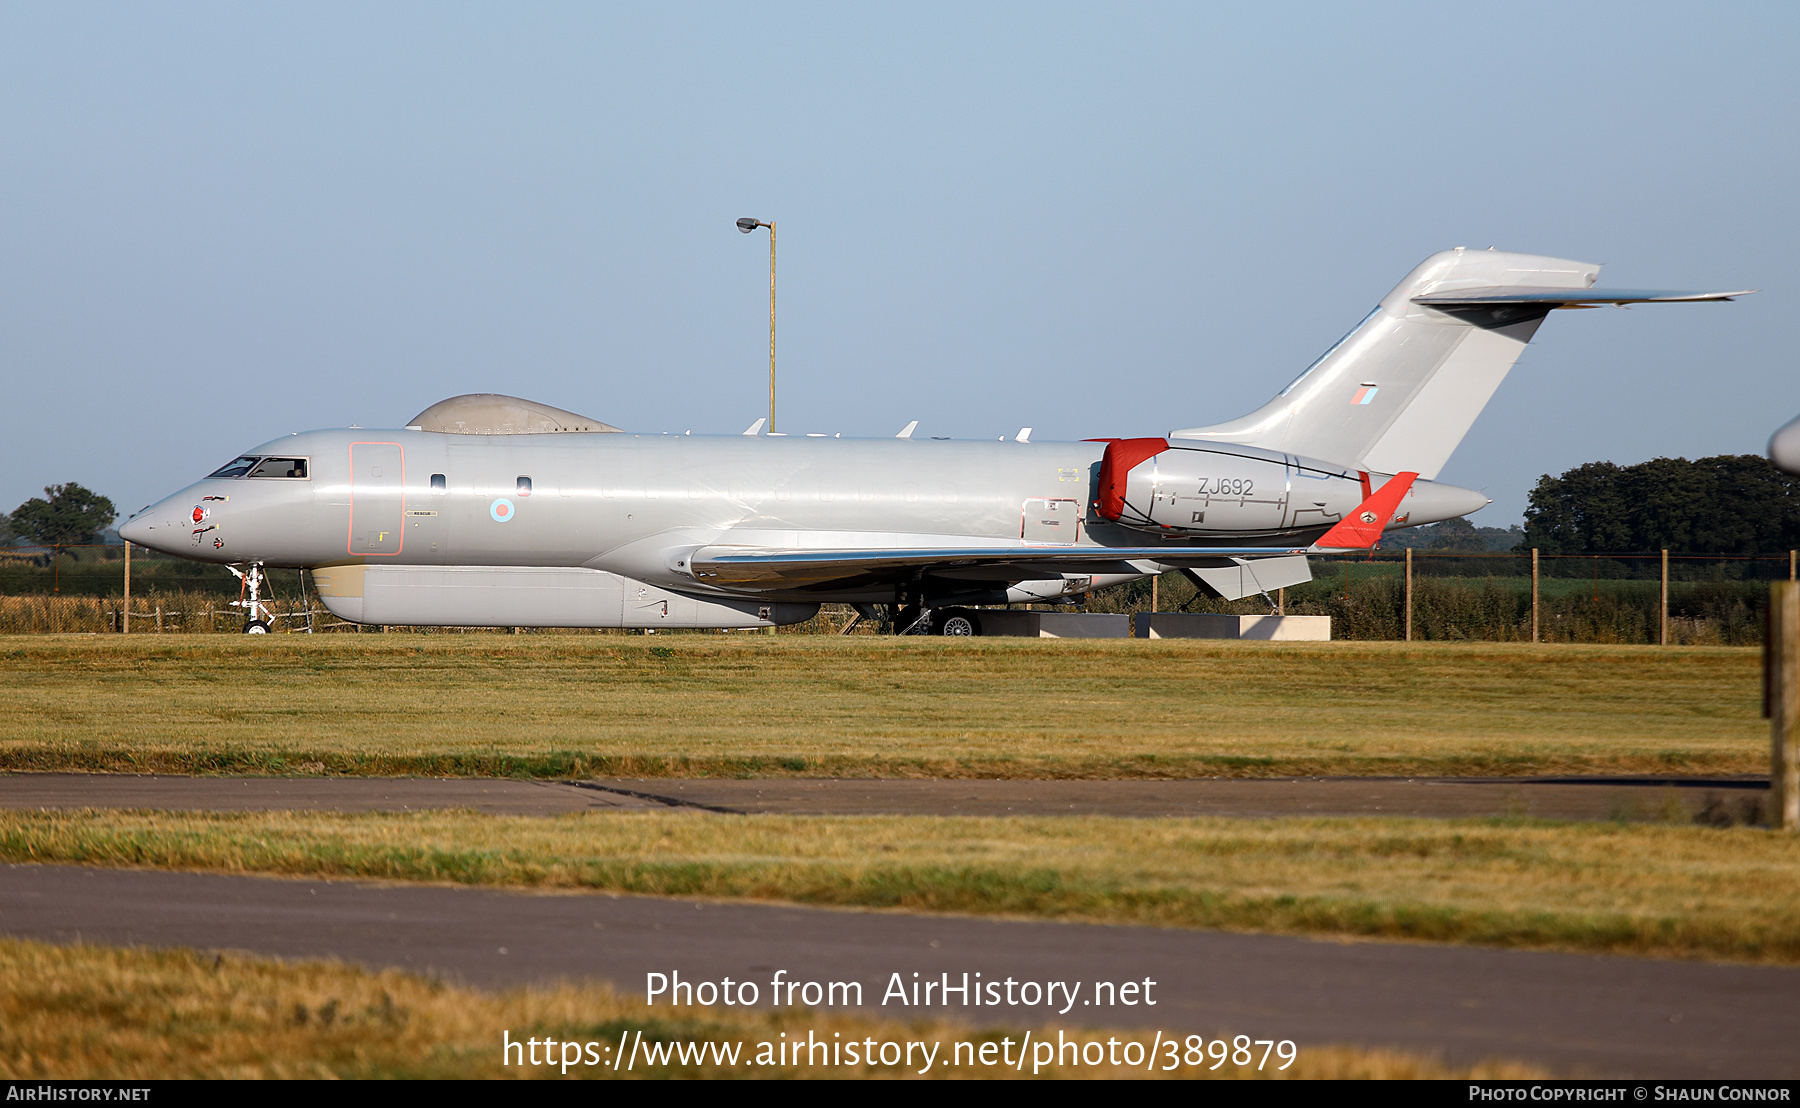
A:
<point x="1567" y="298"/>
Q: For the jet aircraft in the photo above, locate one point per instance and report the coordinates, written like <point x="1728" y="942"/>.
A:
<point x="488" y="510"/>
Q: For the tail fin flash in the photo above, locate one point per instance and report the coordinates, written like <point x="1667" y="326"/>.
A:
<point x="1401" y="390"/>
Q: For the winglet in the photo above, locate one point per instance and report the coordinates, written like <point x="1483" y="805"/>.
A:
<point x="906" y="431"/>
<point x="1362" y="528"/>
<point x="756" y="428"/>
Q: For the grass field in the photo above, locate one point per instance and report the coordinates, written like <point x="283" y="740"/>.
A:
<point x="1663" y="890"/>
<point x="547" y="705"/>
<point x="559" y="706"/>
<point x="97" y="1013"/>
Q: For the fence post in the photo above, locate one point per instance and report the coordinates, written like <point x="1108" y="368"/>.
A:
<point x="159" y="619"/>
<point x="1534" y="594"/>
<point x="1408" y="594"/>
<point x="1281" y="601"/>
<point x="1153" y="582"/>
<point x="1664" y="608"/>
<point x="1791" y="554"/>
<point x="126" y="618"/>
<point x="1781" y="703"/>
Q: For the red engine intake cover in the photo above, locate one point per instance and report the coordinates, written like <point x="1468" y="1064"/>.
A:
<point x="1122" y="456"/>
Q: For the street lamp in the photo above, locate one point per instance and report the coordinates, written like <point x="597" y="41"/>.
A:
<point x="748" y="225"/>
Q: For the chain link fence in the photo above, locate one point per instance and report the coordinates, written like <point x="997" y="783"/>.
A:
<point x="1618" y="598"/>
<point x="1705" y="599"/>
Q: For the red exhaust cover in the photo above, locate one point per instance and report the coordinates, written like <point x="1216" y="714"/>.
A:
<point x="1122" y="456"/>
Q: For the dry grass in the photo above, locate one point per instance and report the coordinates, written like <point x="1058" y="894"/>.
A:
<point x="1676" y="891"/>
<point x="86" y="1012"/>
<point x="753" y="705"/>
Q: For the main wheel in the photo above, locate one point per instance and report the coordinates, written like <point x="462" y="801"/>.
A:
<point x="256" y="627"/>
<point x="958" y="622"/>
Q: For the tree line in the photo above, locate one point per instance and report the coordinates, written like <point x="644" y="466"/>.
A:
<point x="66" y="515"/>
<point x="1734" y="504"/>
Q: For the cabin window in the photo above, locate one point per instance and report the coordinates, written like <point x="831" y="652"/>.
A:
<point x="235" y="469"/>
<point x="524" y="486"/>
<point x="281" y="467"/>
<point x="439" y="486"/>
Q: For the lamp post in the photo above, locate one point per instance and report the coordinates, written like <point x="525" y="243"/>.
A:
<point x="748" y="225"/>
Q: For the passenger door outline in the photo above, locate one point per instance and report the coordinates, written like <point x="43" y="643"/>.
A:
<point x="383" y="500"/>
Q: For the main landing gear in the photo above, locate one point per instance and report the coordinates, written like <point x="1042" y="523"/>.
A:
<point x="954" y="622"/>
<point x="257" y="617"/>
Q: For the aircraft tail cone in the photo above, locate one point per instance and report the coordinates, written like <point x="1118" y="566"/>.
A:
<point x="1431" y="502"/>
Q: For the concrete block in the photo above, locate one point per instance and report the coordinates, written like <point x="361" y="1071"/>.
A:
<point x="1184" y="625"/>
<point x="1082" y="625"/>
<point x="999" y="621"/>
<point x="1053" y="625"/>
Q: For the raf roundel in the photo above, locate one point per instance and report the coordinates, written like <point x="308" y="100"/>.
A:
<point x="501" y="510"/>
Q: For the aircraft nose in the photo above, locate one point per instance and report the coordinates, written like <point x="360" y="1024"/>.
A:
<point x="156" y="527"/>
<point x="137" y="529"/>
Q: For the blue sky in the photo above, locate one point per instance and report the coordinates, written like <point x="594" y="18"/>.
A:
<point x="221" y="223"/>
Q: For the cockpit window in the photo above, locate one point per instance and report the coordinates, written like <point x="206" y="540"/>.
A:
<point x="235" y="469"/>
<point x="281" y="467"/>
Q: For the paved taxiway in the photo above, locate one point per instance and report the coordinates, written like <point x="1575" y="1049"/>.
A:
<point x="1550" y="798"/>
<point x="1601" y="1015"/>
<point x="1574" y="1013"/>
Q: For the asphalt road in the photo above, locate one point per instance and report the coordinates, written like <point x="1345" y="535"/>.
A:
<point x="1589" y="798"/>
<point x="335" y="794"/>
<point x="1579" y="1015"/>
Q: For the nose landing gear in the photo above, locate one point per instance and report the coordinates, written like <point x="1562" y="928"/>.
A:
<point x="256" y="611"/>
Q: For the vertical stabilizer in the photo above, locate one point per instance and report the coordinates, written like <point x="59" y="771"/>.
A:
<point x="1400" y="390"/>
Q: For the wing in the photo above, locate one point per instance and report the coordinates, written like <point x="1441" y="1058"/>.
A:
<point x="762" y="569"/>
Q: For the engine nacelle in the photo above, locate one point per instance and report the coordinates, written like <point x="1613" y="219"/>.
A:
<point x="1207" y="490"/>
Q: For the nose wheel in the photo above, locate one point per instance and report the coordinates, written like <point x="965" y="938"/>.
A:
<point x="257" y="617"/>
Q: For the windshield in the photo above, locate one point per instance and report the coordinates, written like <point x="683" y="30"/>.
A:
<point x="280" y="467"/>
<point x="235" y="469"/>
